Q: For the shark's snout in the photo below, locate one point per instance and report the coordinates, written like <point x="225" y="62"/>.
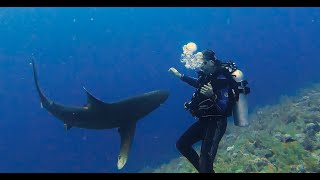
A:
<point x="162" y="95"/>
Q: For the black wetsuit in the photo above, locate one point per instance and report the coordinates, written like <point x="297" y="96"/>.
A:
<point x="212" y="120"/>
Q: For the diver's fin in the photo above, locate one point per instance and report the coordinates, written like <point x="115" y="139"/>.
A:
<point x="93" y="101"/>
<point x="67" y="126"/>
<point x="127" y="134"/>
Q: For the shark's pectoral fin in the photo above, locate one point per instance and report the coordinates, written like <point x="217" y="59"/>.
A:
<point x="92" y="101"/>
<point x="127" y="134"/>
<point x="67" y="126"/>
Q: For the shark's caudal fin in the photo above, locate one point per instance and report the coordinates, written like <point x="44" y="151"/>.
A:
<point x="127" y="134"/>
<point x="43" y="99"/>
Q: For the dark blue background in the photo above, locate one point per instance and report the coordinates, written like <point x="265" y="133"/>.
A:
<point x="119" y="52"/>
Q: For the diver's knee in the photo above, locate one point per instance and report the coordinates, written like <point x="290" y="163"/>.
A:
<point x="181" y="146"/>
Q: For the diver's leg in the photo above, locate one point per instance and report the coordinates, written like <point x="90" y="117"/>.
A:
<point x="215" y="130"/>
<point x="222" y="126"/>
<point x="185" y="142"/>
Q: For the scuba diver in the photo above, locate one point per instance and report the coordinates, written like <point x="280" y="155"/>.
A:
<point x="213" y="101"/>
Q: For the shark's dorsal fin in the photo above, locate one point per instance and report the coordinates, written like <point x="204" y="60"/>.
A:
<point x="93" y="101"/>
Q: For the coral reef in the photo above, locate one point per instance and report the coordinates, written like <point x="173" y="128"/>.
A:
<point x="282" y="138"/>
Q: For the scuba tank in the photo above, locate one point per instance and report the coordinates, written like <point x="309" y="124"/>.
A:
<point x="240" y="108"/>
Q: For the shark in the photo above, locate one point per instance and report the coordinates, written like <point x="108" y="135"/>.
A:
<point x="122" y="115"/>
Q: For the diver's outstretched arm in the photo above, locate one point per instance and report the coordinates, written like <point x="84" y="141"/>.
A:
<point x="189" y="80"/>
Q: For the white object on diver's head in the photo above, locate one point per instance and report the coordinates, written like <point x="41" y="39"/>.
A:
<point x="191" y="60"/>
<point x="192" y="47"/>
<point x="199" y="56"/>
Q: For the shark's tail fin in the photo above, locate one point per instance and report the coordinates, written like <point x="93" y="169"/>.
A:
<point x="43" y="99"/>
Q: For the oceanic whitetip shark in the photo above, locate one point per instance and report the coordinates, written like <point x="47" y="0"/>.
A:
<point x="97" y="114"/>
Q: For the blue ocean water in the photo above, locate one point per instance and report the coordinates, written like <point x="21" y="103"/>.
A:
<point x="120" y="52"/>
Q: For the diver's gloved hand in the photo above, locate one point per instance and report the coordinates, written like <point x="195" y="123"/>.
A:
<point x="175" y="72"/>
<point x="207" y="90"/>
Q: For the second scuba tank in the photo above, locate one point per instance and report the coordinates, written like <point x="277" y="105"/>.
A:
<point x="240" y="109"/>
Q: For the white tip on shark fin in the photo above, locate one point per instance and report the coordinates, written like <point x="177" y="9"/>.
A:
<point x="121" y="162"/>
<point x="41" y="105"/>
